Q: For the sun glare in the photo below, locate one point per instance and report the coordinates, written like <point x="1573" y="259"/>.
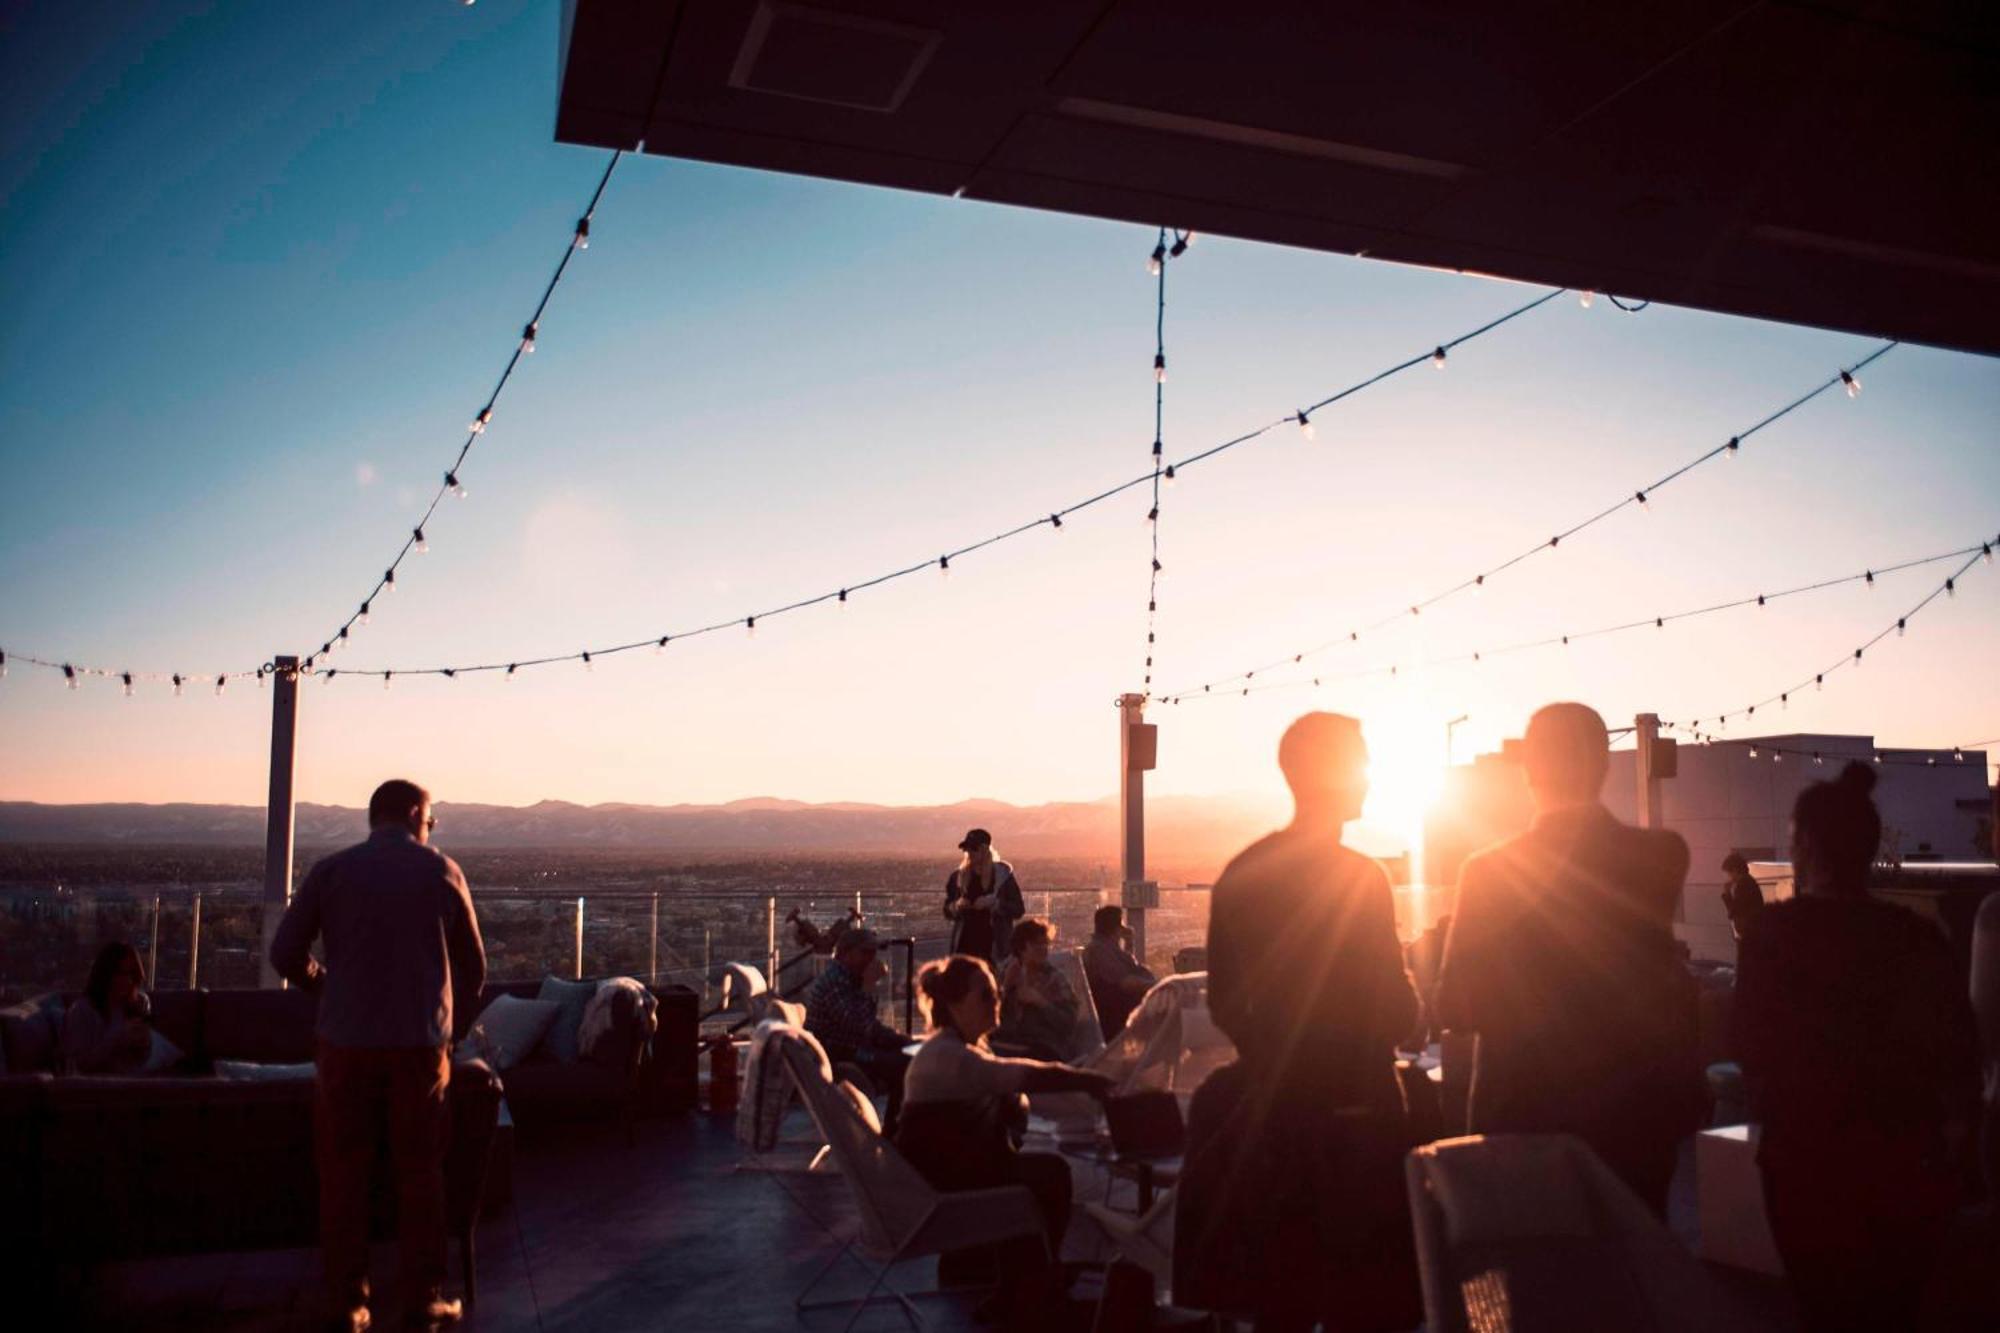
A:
<point x="1405" y="775"/>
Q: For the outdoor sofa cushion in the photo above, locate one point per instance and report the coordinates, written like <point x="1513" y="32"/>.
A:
<point x="572" y="998"/>
<point x="511" y="1028"/>
<point x="31" y="1034"/>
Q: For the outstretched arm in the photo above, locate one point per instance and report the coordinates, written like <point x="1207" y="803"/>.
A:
<point x="291" y="944"/>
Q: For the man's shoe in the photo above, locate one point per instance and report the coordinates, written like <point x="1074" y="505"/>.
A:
<point x="436" y="1313"/>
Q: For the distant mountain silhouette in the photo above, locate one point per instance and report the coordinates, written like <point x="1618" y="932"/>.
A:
<point x="1179" y="829"/>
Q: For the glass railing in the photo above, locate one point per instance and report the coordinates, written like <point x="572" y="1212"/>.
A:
<point x="210" y="934"/>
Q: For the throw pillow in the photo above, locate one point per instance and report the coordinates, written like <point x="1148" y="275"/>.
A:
<point x="573" y="997"/>
<point x="511" y="1027"/>
<point x="249" y="1071"/>
<point x="163" y="1056"/>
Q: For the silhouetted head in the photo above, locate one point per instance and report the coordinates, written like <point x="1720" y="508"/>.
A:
<point x="1325" y="762"/>
<point x="1566" y="754"/>
<point x="1031" y="939"/>
<point x="958" y="992"/>
<point x="856" y="950"/>
<point x="400" y="803"/>
<point x="1734" y="864"/>
<point x="1108" y="920"/>
<point x="1836" y="832"/>
<point x="115" y="975"/>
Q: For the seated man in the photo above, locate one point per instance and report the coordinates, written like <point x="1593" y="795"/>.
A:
<point x="840" y="1011"/>
<point x="1037" y="1007"/>
<point x="1118" y="981"/>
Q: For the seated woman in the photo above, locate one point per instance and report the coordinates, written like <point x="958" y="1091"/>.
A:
<point x="1860" y="1058"/>
<point x="961" y="1103"/>
<point x="1038" y="1007"/>
<point x="108" y="1029"/>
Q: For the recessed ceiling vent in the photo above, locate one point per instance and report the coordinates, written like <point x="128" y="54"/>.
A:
<point x="814" y="55"/>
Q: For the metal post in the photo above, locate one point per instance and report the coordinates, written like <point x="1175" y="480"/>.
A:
<point x="1137" y="750"/>
<point x="278" y="811"/>
<point x="771" y="942"/>
<point x="1646" y="728"/>
<point x="653" y="952"/>
<point x="153" y="949"/>
<point x="579" y="939"/>
<point x="194" y="945"/>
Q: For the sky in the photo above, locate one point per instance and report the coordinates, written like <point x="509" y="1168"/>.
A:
<point x="262" y="263"/>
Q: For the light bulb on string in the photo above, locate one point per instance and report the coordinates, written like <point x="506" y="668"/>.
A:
<point x="1986" y="552"/>
<point x="582" y="238"/>
<point x="1153" y="514"/>
<point x="1437" y="358"/>
<point x="843" y="597"/>
<point x="944" y="565"/>
<point x="1182" y="240"/>
<point x="1734" y="446"/>
<point x="363" y="617"/>
<point x="327" y="676"/>
<point x="1852" y="383"/>
<point x="388" y="580"/>
<point x="1586" y="298"/>
<point x="1055" y="521"/>
<point x="220" y="681"/>
<point x="1957" y="755"/>
<point x="178" y="684"/>
<point x="260" y="678"/>
<point x="417" y="541"/>
<point x="661" y="647"/>
<point x="511" y="669"/>
<point x="1159" y="367"/>
<point x="1869" y="577"/>
<point x="69" y="676"/>
<point x="750" y="626"/>
<point x="1901" y="625"/>
<point x="1156" y="260"/>
<point x="1167" y="477"/>
<point x="1640" y="497"/>
<point x="1305" y="425"/>
<point x="482" y="421"/>
<point x="454" y="485"/>
<point x="1951" y="587"/>
<point x="586" y="663"/>
<point x="385" y="679"/>
<point x="528" y="337"/>
<point x="126" y="678"/>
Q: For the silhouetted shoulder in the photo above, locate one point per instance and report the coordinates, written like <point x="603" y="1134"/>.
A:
<point x="1662" y="849"/>
<point x="1248" y="861"/>
<point x="1365" y="870"/>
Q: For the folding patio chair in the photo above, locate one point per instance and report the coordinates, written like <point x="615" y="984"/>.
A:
<point x="902" y="1216"/>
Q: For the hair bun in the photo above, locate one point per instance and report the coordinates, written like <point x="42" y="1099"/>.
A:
<point x="1858" y="778"/>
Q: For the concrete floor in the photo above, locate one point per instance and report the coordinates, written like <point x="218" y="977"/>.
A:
<point x="667" y="1233"/>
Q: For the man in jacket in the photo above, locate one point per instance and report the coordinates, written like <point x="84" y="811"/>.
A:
<point x="1562" y="959"/>
<point x="404" y="964"/>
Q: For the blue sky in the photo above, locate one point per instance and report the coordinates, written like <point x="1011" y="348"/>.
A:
<point x="263" y="262"/>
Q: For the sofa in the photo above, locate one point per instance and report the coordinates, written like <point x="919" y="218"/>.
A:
<point x="101" y="1169"/>
<point x="628" y="1079"/>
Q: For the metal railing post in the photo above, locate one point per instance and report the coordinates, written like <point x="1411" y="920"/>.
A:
<point x="153" y="949"/>
<point x="579" y="939"/>
<point x="194" y="945"/>
<point x="771" y="940"/>
<point x="653" y="950"/>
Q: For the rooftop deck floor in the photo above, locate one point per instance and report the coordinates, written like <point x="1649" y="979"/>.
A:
<point x="667" y="1233"/>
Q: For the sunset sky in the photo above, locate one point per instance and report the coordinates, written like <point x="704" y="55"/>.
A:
<point x="261" y="264"/>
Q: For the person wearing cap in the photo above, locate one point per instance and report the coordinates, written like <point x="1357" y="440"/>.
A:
<point x="982" y="900"/>
<point x="840" y="1012"/>
<point x="1562" y="958"/>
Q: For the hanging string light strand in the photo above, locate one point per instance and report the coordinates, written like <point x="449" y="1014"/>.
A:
<point x="1817" y="681"/>
<point x="1053" y="520"/>
<point x="1638" y="498"/>
<point x="1163" y="254"/>
<point x="1564" y="640"/>
<point x="417" y="542"/>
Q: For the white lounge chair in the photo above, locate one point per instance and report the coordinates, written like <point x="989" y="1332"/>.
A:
<point x="1528" y="1232"/>
<point x="1145" y="1239"/>
<point x="902" y="1216"/>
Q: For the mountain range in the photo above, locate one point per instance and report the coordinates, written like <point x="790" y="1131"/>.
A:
<point x="1179" y="829"/>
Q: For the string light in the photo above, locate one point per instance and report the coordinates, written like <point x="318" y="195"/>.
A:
<point x="1164" y="477"/>
<point x="417" y="544"/>
<point x="1563" y="640"/>
<point x="661" y="646"/>
<point x="220" y="682"/>
<point x="944" y="565"/>
<point x="1157" y="261"/>
<point x="452" y="484"/>
<point x="1306" y="426"/>
<point x="1182" y="240"/>
<point x="126" y="678"/>
<point x="1585" y="298"/>
<point x="586" y="662"/>
<point x="581" y="240"/>
<point x="1475" y="582"/>
<point x="528" y="337"/>
<point x="177" y="685"/>
<point x="482" y="421"/>
<point x="1160" y="368"/>
<point x="69" y="676"/>
<point x="1851" y="383"/>
<point x="1055" y="521"/>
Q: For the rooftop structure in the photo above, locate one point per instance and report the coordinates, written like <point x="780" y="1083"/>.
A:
<point x="1783" y="161"/>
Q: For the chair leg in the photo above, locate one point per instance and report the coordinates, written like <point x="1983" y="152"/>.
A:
<point x="909" y="1310"/>
<point x="799" y="1301"/>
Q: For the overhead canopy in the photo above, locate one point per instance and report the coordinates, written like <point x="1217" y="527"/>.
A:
<point x="1833" y="164"/>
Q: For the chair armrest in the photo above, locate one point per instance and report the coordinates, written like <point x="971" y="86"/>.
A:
<point x="966" y="1218"/>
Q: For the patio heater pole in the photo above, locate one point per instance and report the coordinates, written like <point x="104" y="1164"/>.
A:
<point x="1138" y="749"/>
<point x="278" y="811"/>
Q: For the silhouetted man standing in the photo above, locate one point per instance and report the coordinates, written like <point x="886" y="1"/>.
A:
<point x="404" y="964"/>
<point x="1562" y="958"/>
<point x="1292" y="1201"/>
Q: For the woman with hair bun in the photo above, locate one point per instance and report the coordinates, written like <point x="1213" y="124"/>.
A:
<point x="961" y="1109"/>
<point x="1859" y="1051"/>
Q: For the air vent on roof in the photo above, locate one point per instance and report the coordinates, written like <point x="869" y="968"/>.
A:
<point x="816" y="56"/>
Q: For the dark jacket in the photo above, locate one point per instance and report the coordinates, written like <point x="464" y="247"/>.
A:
<point x="404" y="961"/>
<point x="1305" y="974"/>
<point x="986" y="934"/>
<point x="1562" y="958"/>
